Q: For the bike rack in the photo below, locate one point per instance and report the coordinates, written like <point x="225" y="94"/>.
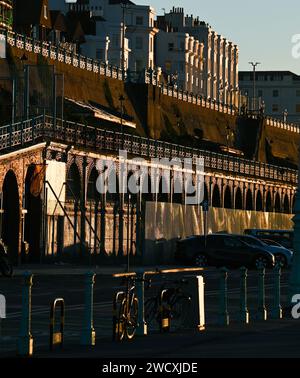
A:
<point x="165" y="318"/>
<point x="57" y="337"/>
<point x="116" y="324"/>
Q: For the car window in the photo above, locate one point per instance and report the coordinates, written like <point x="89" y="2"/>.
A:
<point x="215" y="241"/>
<point x="233" y="243"/>
<point x="252" y="241"/>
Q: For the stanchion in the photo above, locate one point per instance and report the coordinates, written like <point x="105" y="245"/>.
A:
<point x="57" y="337"/>
<point x="276" y="312"/>
<point x="261" y="310"/>
<point x="244" y="313"/>
<point x="223" y="308"/>
<point x="25" y="339"/>
<point x="88" y="335"/>
<point x="140" y="287"/>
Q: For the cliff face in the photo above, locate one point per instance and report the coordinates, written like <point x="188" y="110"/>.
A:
<point x="156" y="115"/>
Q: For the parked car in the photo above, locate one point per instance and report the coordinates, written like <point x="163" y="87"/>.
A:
<point x="282" y="254"/>
<point x="222" y="250"/>
<point x="283" y="237"/>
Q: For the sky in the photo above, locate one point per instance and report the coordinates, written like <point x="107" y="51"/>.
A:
<point x="263" y="29"/>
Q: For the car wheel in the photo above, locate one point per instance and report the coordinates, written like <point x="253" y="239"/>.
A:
<point x="260" y="261"/>
<point x="281" y="259"/>
<point x="201" y="261"/>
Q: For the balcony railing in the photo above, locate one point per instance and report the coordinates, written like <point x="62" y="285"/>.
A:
<point x="16" y="136"/>
<point x="54" y="52"/>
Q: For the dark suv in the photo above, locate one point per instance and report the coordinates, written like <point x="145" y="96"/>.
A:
<point x="222" y="250"/>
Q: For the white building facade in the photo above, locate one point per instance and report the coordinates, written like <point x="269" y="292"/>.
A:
<point x="279" y="91"/>
<point x="220" y="56"/>
<point x="181" y="58"/>
<point x="138" y="21"/>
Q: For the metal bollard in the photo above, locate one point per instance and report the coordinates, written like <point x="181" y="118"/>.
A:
<point x="223" y="311"/>
<point x="88" y="334"/>
<point x="261" y="310"/>
<point x="25" y="339"/>
<point x="140" y="287"/>
<point x="244" y="313"/>
<point x="57" y="337"/>
<point x="276" y="312"/>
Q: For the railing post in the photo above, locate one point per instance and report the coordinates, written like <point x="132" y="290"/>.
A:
<point x="25" y="339"/>
<point x="88" y="335"/>
<point x="223" y="310"/>
<point x="261" y="311"/>
<point x="276" y="312"/>
<point x="140" y="286"/>
<point x="244" y="313"/>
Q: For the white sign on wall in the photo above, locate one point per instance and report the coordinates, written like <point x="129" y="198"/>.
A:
<point x="56" y="176"/>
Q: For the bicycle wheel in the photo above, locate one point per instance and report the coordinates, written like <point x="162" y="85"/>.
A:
<point x="121" y="321"/>
<point x="151" y="311"/>
<point x="6" y="267"/>
<point x="132" y="319"/>
<point x="180" y="313"/>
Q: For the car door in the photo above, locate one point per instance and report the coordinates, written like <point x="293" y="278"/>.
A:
<point x="216" y="249"/>
<point x="237" y="252"/>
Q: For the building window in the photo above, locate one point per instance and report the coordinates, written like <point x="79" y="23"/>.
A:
<point x="139" y="20"/>
<point x="260" y="93"/>
<point x="139" y="43"/>
<point x="170" y="46"/>
<point x="297" y="108"/>
<point x="275" y="108"/>
<point x="275" y="93"/>
<point x="151" y="44"/>
<point x="298" y="92"/>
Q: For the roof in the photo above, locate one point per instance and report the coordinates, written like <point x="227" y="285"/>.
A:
<point x="30" y="12"/>
<point x="58" y="21"/>
<point x="284" y="73"/>
<point x="87" y="22"/>
<point x="115" y="2"/>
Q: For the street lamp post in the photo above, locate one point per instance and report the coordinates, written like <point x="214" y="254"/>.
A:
<point x="254" y="65"/>
<point x="124" y="6"/>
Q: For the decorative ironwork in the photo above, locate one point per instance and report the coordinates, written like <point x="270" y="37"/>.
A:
<point x="42" y="128"/>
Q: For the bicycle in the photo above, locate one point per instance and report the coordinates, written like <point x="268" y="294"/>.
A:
<point x="6" y="267"/>
<point x="171" y="306"/>
<point x="126" y="317"/>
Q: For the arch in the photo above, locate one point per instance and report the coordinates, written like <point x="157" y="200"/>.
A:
<point x="249" y="200"/>
<point x="73" y="183"/>
<point x="277" y="203"/>
<point x="216" y="198"/>
<point x="227" y="198"/>
<point x="286" y="204"/>
<point x="259" y="202"/>
<point x="293" y="203"/>
<point x="163" y="189"/>
<point x="178" y="185"/>
<point x="147" y="188"/>
<point x="238" y="205"/>
<point x="268" y="202"/>
<point x="11" y="216"/>
<point x="92" y="193"/>
<point x="32" y="229"/>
